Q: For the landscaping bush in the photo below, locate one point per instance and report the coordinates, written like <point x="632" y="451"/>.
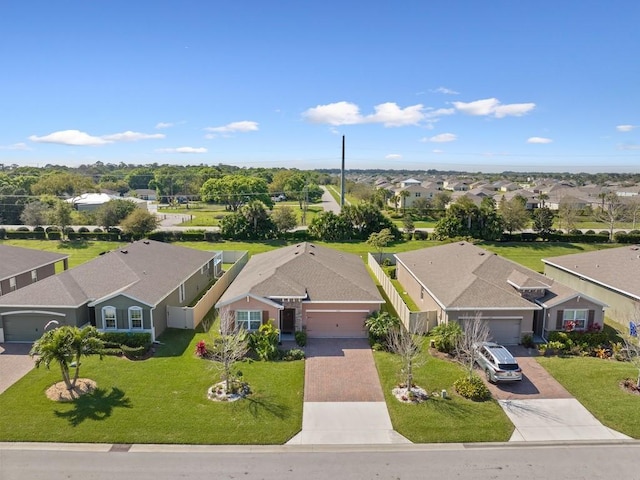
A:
<point x="22" y="229"/>
<point x="527" y="341"/>
<point x="97" y="230"/>
<point x="378" y="325"/>
<point x="292" y="354"/>
<point x="301" y="338"/>
<point x="420" y="235"/>
<point x="134" y="353"/>
<point x="590" y="232"/>
<point x="54" y="235"/>
<point x="446" y="335"/>
<point x="3" y="233"/>
<point x="130" y="339"/>
<point x="473" y="389"/>
<point x="112" y="351"/>
<point x="83" y="230"/>
<point x="591" y="339"/>
<point x="621" y="237"/>
<point x="212" y="236"/>
<point x="264" y="342"/>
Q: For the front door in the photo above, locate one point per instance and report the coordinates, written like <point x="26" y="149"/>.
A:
<point x="288" y="324"/>
<point x="538" y="320"/>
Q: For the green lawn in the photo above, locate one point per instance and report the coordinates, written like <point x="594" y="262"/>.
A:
<point x="160" y="400"/>
<point x="595" y="383"/>
<point x="439" y="420"/>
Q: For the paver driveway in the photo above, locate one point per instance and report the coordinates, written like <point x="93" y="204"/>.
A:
<point x="15" y="363"/>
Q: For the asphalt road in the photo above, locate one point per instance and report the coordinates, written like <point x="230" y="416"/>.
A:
<point x="447" y="461"/>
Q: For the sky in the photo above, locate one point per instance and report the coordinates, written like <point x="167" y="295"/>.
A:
<point x="474" y="85"/>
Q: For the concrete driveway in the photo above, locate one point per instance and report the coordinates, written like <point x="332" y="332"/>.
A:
<point x="343" y="399"/>
<point x="15" y="363"/>
<point x="543" y="410"/>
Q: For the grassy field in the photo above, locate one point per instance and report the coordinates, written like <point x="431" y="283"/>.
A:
<point x="595" y="383"/>
<point x="159" y="400"/>
<point x="439" y="420"/>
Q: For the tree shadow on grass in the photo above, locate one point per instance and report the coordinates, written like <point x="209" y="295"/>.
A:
<point x="258" y="405"/>
<point x="97" y="405"/>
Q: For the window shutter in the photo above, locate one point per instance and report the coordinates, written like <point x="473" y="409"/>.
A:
<point x="559" y="319"/>
<point x="265" y="317"/>
<point x="592" y="316"/>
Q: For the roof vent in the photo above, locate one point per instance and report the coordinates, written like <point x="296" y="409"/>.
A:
<point x="124" y="251"/>
<point x="146" y="242"/>
<point x="102" y="253"/>
<point x="481" y="253"/>
<point x="311" y="253"/>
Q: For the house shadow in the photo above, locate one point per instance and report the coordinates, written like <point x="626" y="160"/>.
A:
<point x="259" y="405"/>
<point x="334" y="347"/>
<point x="523" y="387"/>
<point x="174" y="342"/>
<point x="97" y="406"/>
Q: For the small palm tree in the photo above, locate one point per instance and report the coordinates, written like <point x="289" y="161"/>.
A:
<point x="65" y="346"/>
<point x="404" y="194"/>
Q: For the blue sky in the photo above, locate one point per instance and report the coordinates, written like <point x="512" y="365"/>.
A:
<point x="479" y="85"/>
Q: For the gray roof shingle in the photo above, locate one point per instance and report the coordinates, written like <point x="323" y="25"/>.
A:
<point x="17" y="260"/>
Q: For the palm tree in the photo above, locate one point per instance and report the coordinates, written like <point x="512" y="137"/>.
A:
<point x="254" y="212"/>
<point x="543" y="197"/>
<point x="404" y="194"/>
<point x="65" y="346"/>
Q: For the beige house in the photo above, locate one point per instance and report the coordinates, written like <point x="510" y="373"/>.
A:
<point x="460" y="280"/>
<point x="611" y="275"/>
<point x="304" y="287"/>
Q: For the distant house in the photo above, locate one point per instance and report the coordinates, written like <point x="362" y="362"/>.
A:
<point x="305" y="287"/>
<point x="88" y="202"/>
<point x="460" y="280"/>
<point x="414" y="192"/>
<point x="20" y="267"/>
<point x="611" y="275"/>
<point x="146" y="194"/>
<point x="126" y="290"/>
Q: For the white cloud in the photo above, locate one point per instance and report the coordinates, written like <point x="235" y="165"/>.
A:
<point x="443" y="138"/>
<point x="440" y="112"/>
<point x="83" y="139"/>
<point x="629" y="146"/>
<point x="70" y="137"/>
<point x="15" y="146"/>
<point x="539" y="140"/>
<point x="446" y="91"/>
<point x="182" y="150"/>
<point x="493" y="107"/>
<point x="625" y="128"/>
<point x="346" y="113"/>
<point x="393" y="156"/>
<point x="437" y="151"/>
<point x="130" y="136"/>
<point x="233" y="127"/>
<point x="160" y="125"/>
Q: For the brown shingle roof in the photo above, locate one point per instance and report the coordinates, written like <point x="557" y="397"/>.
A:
<point x="148" y="271"/>
<point x="17" y="260"/>
<point x="305" y="270"/>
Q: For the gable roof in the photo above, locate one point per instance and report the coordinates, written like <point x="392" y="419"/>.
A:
<point x="462" y="276"/>
<point x="145" y="270"/>
<point x="616" y="268"/>
<point x="305" y="271"/>
<point x="17" y="260"/>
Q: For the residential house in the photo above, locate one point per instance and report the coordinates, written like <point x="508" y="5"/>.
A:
<point x="88" y="202"/>
<point x="611" y="275"/>
<point x="414" y="192"/>
<point x="146" y="194"/>
<point x="20" y="267"/>
<point x="126" y="290"/>
<point x="460" y="280"/>
<point x="305" y="287"/>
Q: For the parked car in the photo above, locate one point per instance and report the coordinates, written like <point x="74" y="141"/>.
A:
<point x="497" y="363"/>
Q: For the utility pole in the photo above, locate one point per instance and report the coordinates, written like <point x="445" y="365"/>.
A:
<point x="342" y="187"/>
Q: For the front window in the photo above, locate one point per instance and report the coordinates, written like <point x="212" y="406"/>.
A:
<point x="417" y="194"/>
<point x="135" y="318"/>
<point x="574" y="320"/>
<point x="249" y="319"/>
<point x="181" y="293"/>
<point x="12" y="284"/>
<point x="109" y="318"/>
<point x="34" y="276"/>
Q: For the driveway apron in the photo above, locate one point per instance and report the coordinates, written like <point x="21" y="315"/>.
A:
<point x="543" y="410"/>
<point x="343" y="399"/>
<point x="15" y="363"/>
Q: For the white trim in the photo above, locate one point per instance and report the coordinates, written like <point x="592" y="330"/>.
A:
<point x="336" y="311"/>
<point x="489" y="309"/>
<point x="290" y="297"/>
<point x="137" y="309"/>
<point x="248" y="320"/>
<point x="104" y="321"/>
<point x="249" y="295"/>
<point x="344" y="302"/>
<point x="117" y="293"/>
<point x="30" y="312"/>
<point x="182" y="293"/>
<point x="510" y="317"/>
<point x="542" y="286"/>
<point x="561" y="301"/>
<point x="153" y="327"/>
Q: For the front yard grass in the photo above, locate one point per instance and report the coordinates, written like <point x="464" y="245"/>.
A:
<point x="159" y="400"/>
<point x="439" y="420"/>
<point x="595" y="384"/>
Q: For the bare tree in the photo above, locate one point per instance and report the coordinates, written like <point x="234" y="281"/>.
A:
<point x="633" y="210"/>
<point x="611" y="212"/>
<point x="568" y="213"/>
<point x="474" y="331"/>
<point x="632" y="341"/>
<point x="230" y="347"/>
<point x="408" y="346"/>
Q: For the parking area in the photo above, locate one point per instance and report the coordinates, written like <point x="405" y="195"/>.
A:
<point x="15" y="363"/>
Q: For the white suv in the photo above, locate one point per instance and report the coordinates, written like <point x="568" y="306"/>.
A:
<point x="497" y="363"/>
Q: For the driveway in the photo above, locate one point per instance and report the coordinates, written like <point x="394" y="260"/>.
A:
<point x="15" y="363"/>
<point x="543" y="410"/>
<point x="343" y="399"/>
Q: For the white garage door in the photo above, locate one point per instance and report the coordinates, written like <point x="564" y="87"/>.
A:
<point x="505" y="331"/>
<point x="336" y="324"/>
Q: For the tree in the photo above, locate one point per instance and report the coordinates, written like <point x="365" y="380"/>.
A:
<point x="284" y="218"/>
<point x="441" y="200"/>
<point x="542" y="221"/>
<point x="404" y="194"/>
<point x="35" y="214"/>
<point x="408" y="346"/>
<point x="611" y="212"/>
<point x="258" y="218"/>
<point x="139" y="223"/>
<point x="66" y="346"/>
<point x="378" y="325"/>
<point x="568" y="213"/>
<point x="139" y="178"/>
<point x="474" y="331"/>
<point x="380" y="240"/>
<point x="422" y="206"/>
<point x="63" y="184"/>
<point x="60" y="215"/>
<point x="514" y="213"/>
<point x="229" y="348"/>
<point x="366" y="218"/>
<point x="113" y="212"/>
<point x="330" y="227"/>
<point x="407" y="224"/>
<point x="633" y="210"/>
<point x="542" y="198"/>
<point x="235" y="190"/>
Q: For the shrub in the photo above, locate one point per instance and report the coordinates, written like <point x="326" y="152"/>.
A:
<point x="446" y="335"/>
<point x="292" y="354"/>
<point x="130" y="339"/>
<point x="591" y="339"/>
<point x="378" y="325"/>
<point x="301" y="338"/>
<point x="201" y="349"/>
<point x="134" y="352"/>
<point x="112" y="351"/>
<point x="590" y="232"/>
<point x="52" y="235"/>
<point x="420" y="235"/>
<point x="97" y="230"/>
<point x="3" y="233"/>
<point x="473" y="389"/>
<point x="264" y="342"/>
<point x="527" y="341"/>
<point x="22" y="229"/>
<point x="38" y="229"/>
<point x="83" y="230"/>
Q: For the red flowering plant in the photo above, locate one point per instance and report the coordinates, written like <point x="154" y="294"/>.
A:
<point x="201" y="349"/>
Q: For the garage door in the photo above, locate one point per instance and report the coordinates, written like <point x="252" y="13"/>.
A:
<point x="24" y="328"/>
<point x="505" y="331"/>
<point x="336" y="325"/>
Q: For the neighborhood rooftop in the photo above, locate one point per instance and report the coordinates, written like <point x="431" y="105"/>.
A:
<point x="17" y="260"/>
